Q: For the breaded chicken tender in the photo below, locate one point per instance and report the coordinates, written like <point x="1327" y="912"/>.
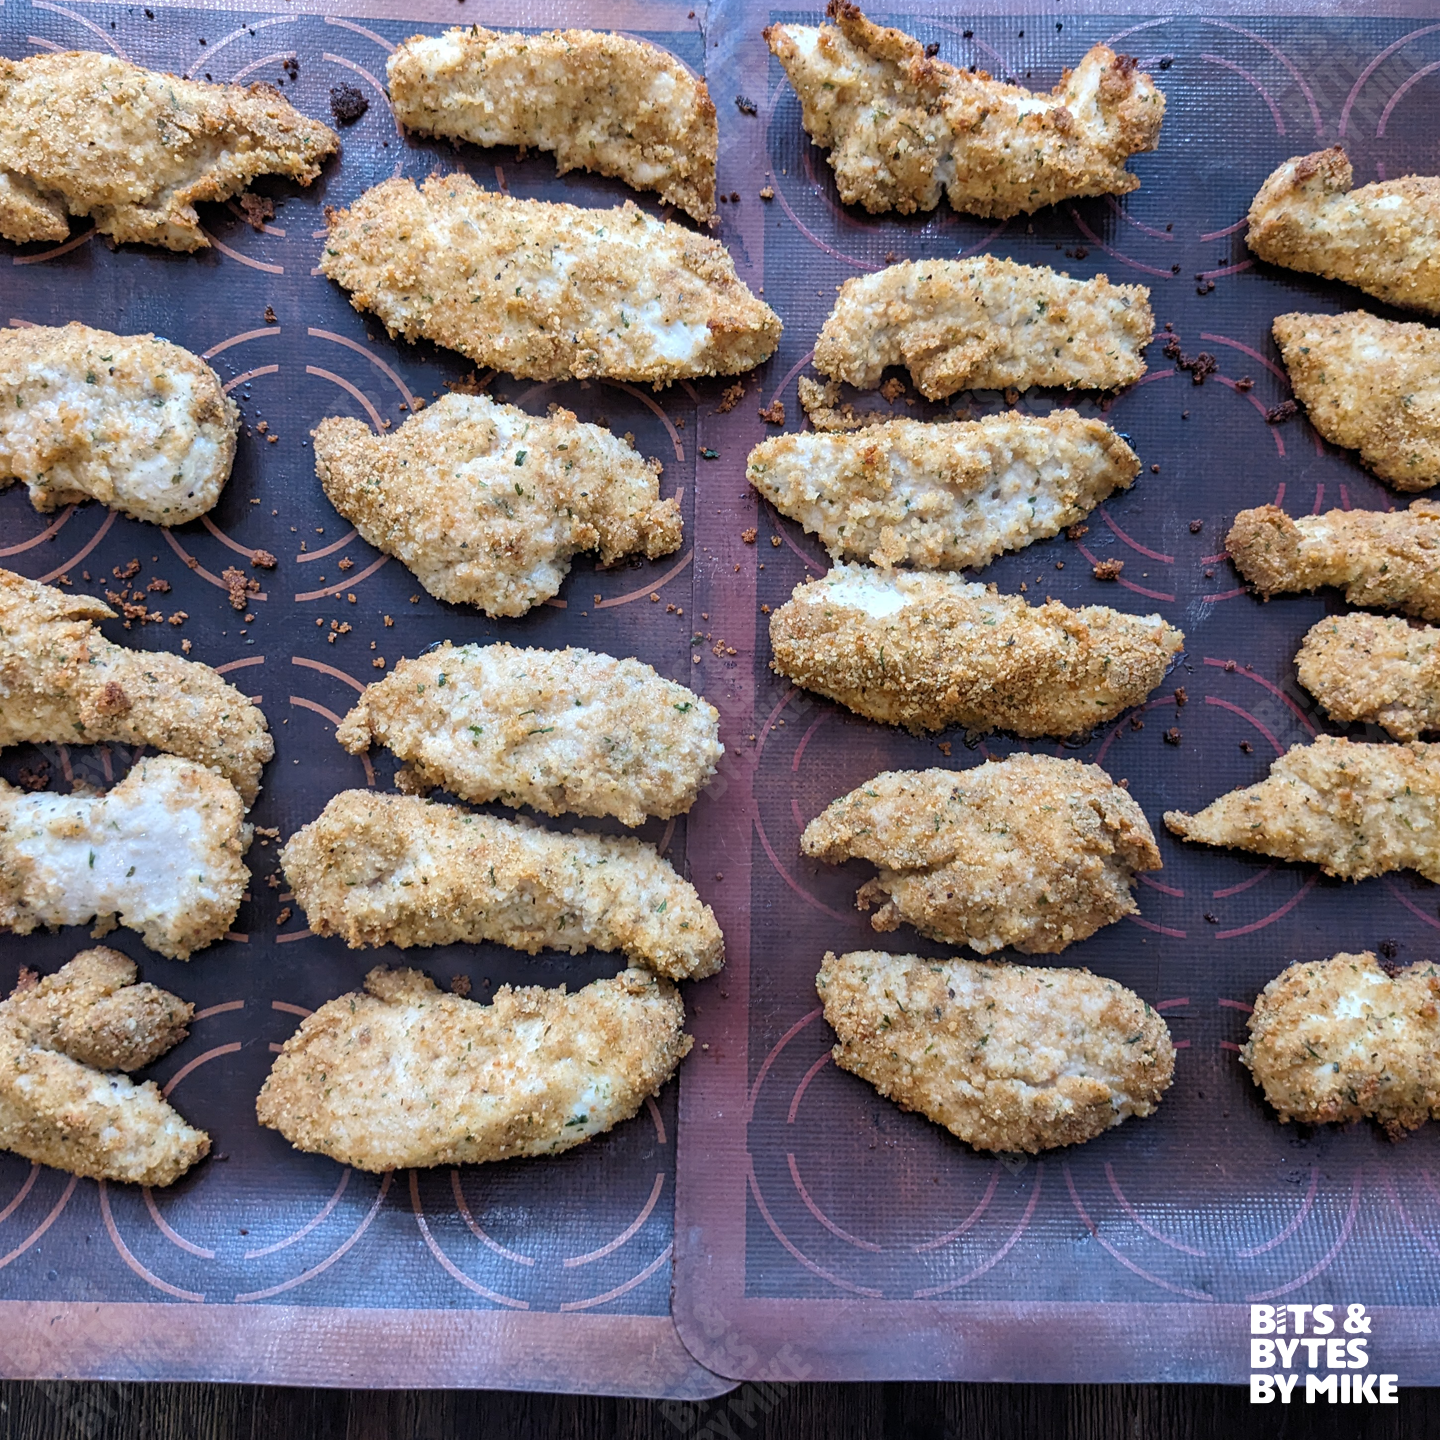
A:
<point x="943" y="496"/>
<point x="1029" y="851"/>
<point x="1355" y="810"/>
<point x="546" y="291"/>
<point x="1378" y="669"/>
<point x="129" y="420"/>
<point x="63" y="682"/>
<point x="927" y="650"/>
<point x="1341" y="1040"/>
<point x="1370" y="385"/>
<point x="160" y="854"/>
<point x="1382" y="238"/>
<point x="88" y="134"/>
<point x="486" y="504"/>
<point x="985" y="324"/>
<point x="405" y="1075"/>
<point x="397" y="870"/>
<point x="598" y="101"/>
<point x="58" y="1037"/>
<point x="556" y="729"/>
<point x="902" y="126"/>
<point x="1385" y="559"/>
<point x="1006" y="1057"/>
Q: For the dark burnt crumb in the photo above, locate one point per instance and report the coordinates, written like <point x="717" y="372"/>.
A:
<point x="1388" y="948"/>
<point x="1279" y="414"/>
<point x="460" y="985"/>
<point x="1199" y="367"/>
<point x="1245" y="383"/>
<point x="1109" y="569"/>
<point x="270" y="317"/>
<point x="1082" y="252"/>
<point x="1076" y="531"/>
<point x="1246" y="748"/>
<point x="734" y="197"/>
<point x="1166" y="61"/>
<point x="745" y="105"/>
<point x="1204" y="287"/>
<point x="1012" y="397"/>
<point x="1154" y="469"/>
<point x="257" y="209"/>
<point x="36" y="779"/>
<point x="347" y="104"/>
<point x="1181" y="698"/>
<point x="890" y="257"/>
<point x="1196" y="526"/>
<point x="932" y="49"/>
<point x="1209" y="574"/>
<point x="1173" y="736"/>
<point x="1184" y="414"/>
<point x="773" y="413"/>
<point x="733" y="395"/>
<point x="264" y="560"/>
<point x="1136" y="722"/>
<point x="1175" y="269"/>
<point x="1211" y="919"/>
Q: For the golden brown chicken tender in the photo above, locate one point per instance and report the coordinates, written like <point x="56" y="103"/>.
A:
<point x="1340" y="1040"/>
<point x="1353" y="809"/>
<point x="1030" y="851"/>
<point x="1379" y="669"/>
<point x="545" y="291"/>
<point x="985" y="324"/>
<point x="557" y="729"/>
<point x="57" y="1106"/>
<point x="1388" y="560"/>
<point x="902" y="126"/>
<point x="1370" y="385"/>
<point x="929" y="650"/>
<point x="397" y="870"/>
<point x="1383" y="238"/>
<point x="1006" y="1057"/>
<point x="486" y="504"/>
<point x="88" y="134"/>
<point x="601" y="102"/>
<point x="404" y="1075"/>
<point x="945" y="496"/>
<point x="63" y="682"/>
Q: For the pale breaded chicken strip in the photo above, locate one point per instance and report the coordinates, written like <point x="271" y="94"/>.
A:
<point x="1355" y="810"/>
<point x="1029" y="851"/>
<point x="160" y="853"/>
<point x="1006" y="1057"/>
<point x="944" y="496"/>
<point x="486" y="504"/>
<point x="1388" y="560"/>
<point x="560" y="730"/>
<point x="546" y="291"/>
<point x="402" y="1074"/>
<point x="1382" y="238"/>
<point x="63" y="682"/>
<point x="929" y="650"/>
<point x="902" y="127"/>
<point x="598" y="101"/>
<point x="1339" y="1040"/>
<point x="985" y="324"/>
<point x="129" y="420"/>
<point x="88" y="134"/>
<point x="1378" y="669"/>
<point x="58" y="1037"/>
<point x="1370" y="385"/>
<point x="397" y="870"/>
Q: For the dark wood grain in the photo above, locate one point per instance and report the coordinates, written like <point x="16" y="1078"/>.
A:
<point x="93" y="1411"/>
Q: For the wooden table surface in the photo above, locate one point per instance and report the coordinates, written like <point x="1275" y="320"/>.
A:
<point x="98" y="1411"/>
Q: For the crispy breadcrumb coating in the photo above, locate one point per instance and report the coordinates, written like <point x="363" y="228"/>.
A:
<point x="902" y="126"/>
<point x="88" y="134"/>
<point x="405" y="1075"/>
<point x="487" y="504"/>
<point x="546" y="291"/>
<point x="556" y="729"/>
<point x="929" y="650"/>
<point x="63" y="682"/>
<point x="1355" y="810"/>
<point x="599" y="101"/>
<point x="1006" y="1057"/>
<point x="943" y="496"/>
<point x="985" y="324"/>
<point x="1340" y="1040"/>
<point x="57" y="1106"/>
<point x="1378" y="669"/>
<point x="1383" y="238"/>
<point x="1388" y="560"/>
<point x="396" y="870"/>
<point x="159" y="854"/>
<point x="129" y="420"/>
<point x="1370" y="385"/>
<point x="1030" y="851"/>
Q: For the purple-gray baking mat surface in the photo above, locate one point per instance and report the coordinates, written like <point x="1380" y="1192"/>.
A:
<point x="820" y="1230"/>
<point x="265" y="1264"/>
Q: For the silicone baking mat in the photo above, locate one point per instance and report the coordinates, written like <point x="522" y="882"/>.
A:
<point x="265" y="1264"/>
<point x="820" y="1230"/>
